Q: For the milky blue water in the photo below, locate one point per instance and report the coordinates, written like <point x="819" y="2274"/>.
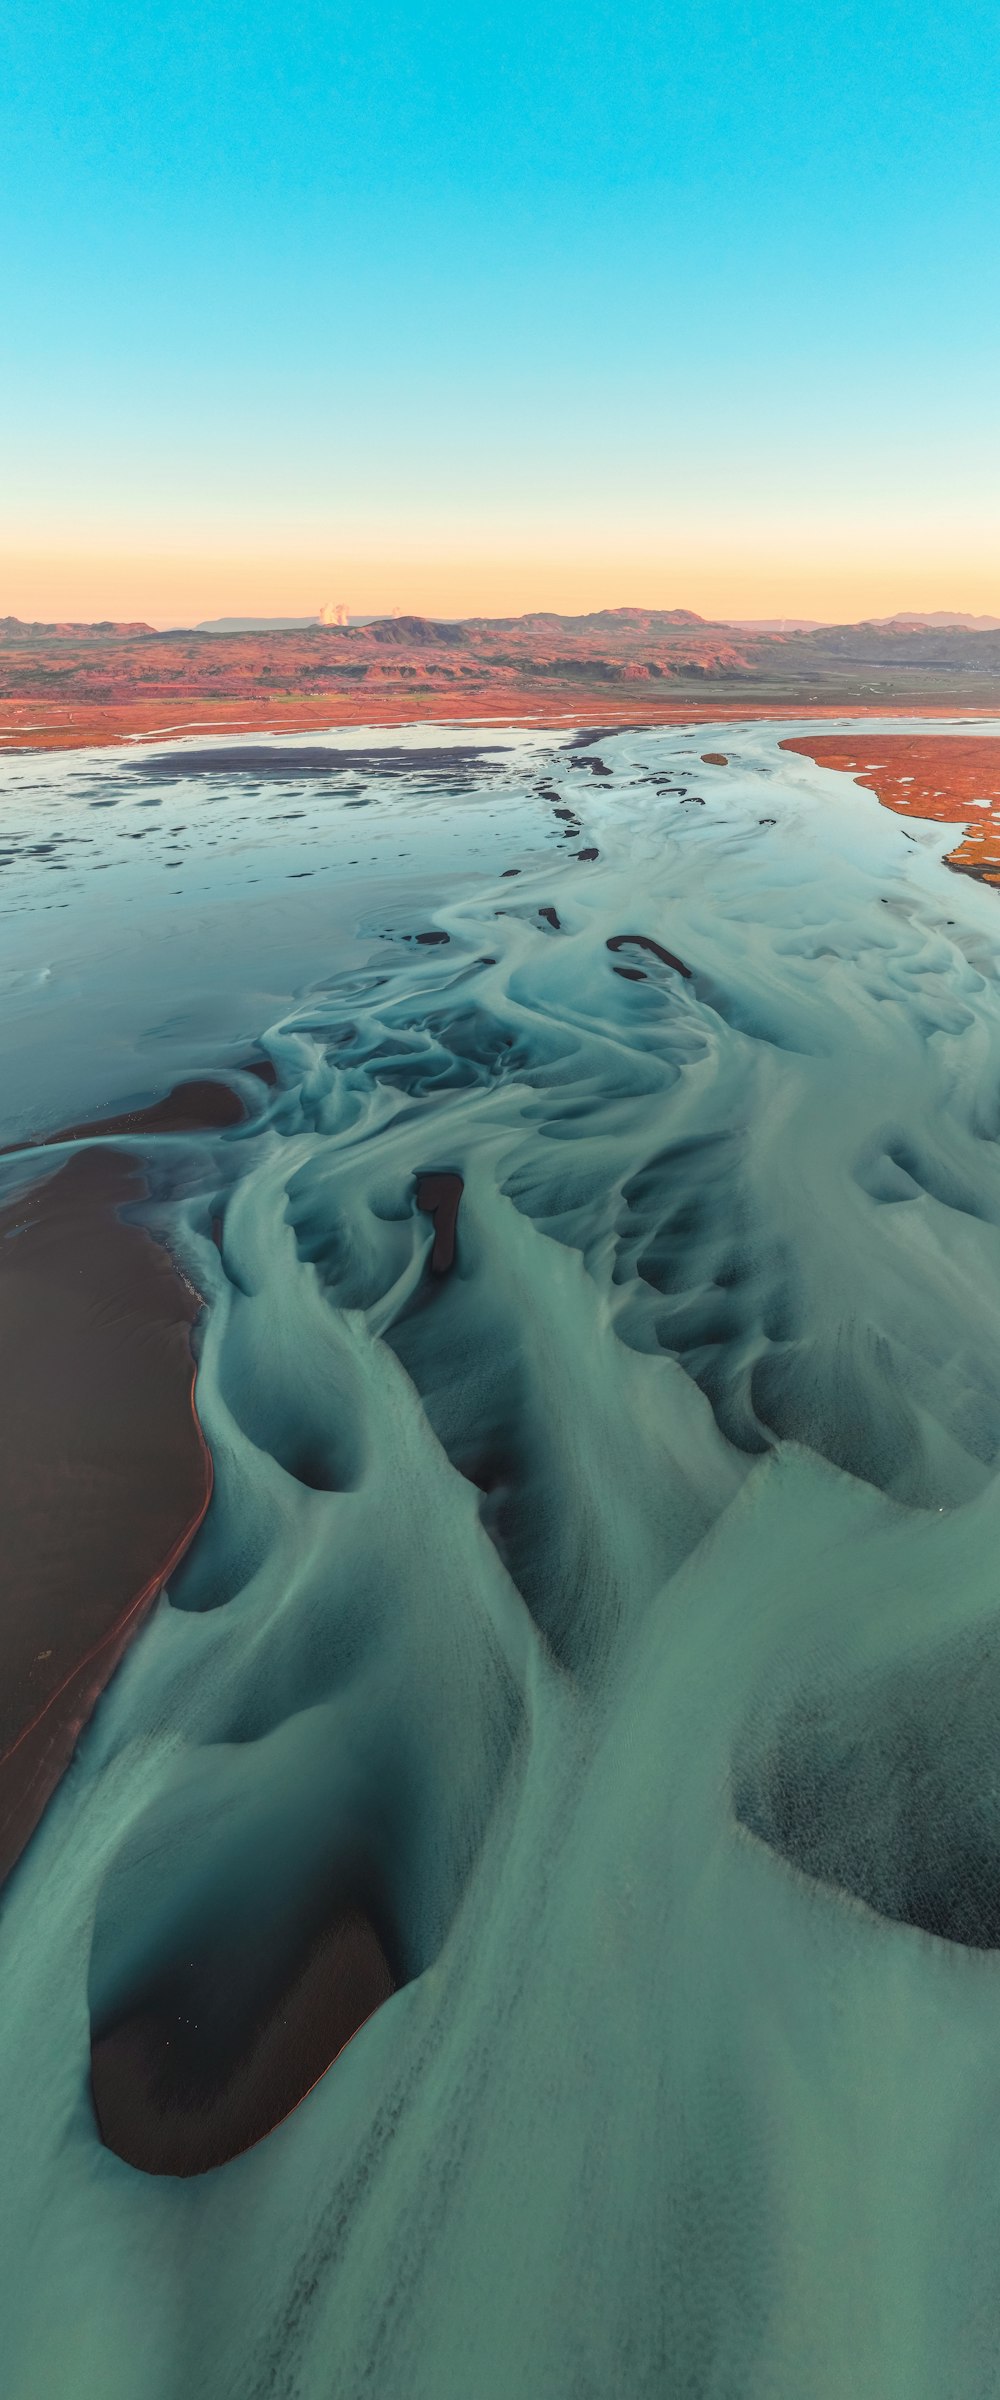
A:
<point x="633" y="1585"/>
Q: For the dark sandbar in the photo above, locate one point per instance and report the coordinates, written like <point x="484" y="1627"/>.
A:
<point x="438" y="1196"/>
<point x="644" y="941"/>
<point x="203" y="1105"/>
<point x="104" y="1473"/>
<point x="222" y="2045"/>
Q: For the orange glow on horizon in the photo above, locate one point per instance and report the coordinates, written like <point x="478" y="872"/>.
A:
<point x="174" y="588"/>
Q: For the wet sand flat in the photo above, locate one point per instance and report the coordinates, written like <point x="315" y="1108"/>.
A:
<point x="104" y="1473"/>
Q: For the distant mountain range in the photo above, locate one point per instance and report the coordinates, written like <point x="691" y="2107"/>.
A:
<point x="248" y="625"/>
<point x="939" y="618"/>
<point x="648" y="657"/>
<point x="943" y="617"/>
<point x="601" y="617"/>
<point x="260" y="624"/>
<point x="617" y="621"/>
<point x="19" y="628"/>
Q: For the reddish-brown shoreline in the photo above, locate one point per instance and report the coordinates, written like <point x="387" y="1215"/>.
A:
<point x="26" y="727"/>
<point x="918" y="775"/>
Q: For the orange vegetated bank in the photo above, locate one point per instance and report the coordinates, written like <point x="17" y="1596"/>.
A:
<point x="26" y="725"/>
<point x="952" y="777"/>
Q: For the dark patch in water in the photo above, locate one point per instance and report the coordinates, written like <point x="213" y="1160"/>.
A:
<point x="201" y="1106"/>
<point x="281" y="766"/>
<point x="221" y="2043"/>
<point x="103" y="1471"/>
<point x="887" y="1789"/>
<point x="439" y="1194"/>
<point x="644" y="941"/>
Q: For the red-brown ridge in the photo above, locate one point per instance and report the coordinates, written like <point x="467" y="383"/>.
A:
<point x="64" y="686"/>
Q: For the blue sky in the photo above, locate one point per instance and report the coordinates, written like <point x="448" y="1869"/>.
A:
<point x="550" y="305"/>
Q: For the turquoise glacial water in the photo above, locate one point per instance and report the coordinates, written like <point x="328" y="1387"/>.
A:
<point x="629" y="1591"/>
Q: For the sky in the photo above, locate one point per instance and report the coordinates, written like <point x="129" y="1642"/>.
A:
<point x="473" y="309"/>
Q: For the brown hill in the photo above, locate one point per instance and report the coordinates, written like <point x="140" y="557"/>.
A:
<point x="76" y="683"/>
